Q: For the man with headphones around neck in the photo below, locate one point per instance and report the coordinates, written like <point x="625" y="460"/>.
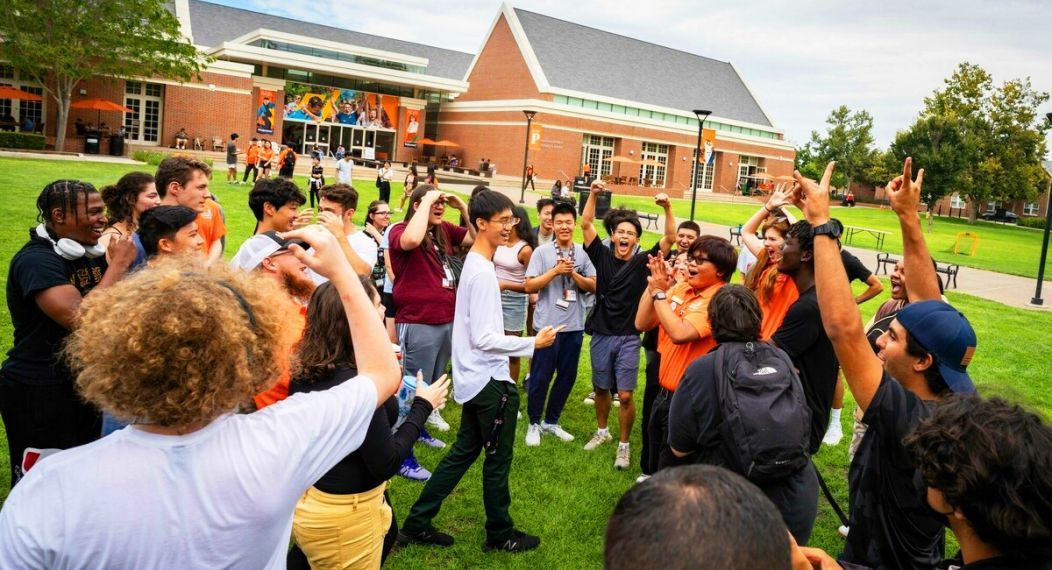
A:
<point x="47" y="278"/>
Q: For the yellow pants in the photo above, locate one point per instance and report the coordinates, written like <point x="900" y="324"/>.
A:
<point x="342" y="531"/>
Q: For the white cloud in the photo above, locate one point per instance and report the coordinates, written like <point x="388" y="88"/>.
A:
<point x="801" y="59"/>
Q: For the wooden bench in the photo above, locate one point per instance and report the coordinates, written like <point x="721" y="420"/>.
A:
<point x="884" y="259"/>
<point x="851" y="231"/>
<point x="736" y="234"/>
<point x="950" y="270"/>
<point x="650" y="218"/>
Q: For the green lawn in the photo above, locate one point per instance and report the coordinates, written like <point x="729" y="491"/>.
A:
<point x="1002" y="248"/>
<point x="561" y="492"/>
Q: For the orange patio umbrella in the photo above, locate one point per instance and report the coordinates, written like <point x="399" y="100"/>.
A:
<point x="99" y="105"/>
<point x="8" y="92"/>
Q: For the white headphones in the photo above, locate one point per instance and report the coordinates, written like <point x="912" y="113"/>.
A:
<point x="69" y="249"/>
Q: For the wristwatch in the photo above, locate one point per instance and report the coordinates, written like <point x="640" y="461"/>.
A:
<point x="659" y="296"/>
<point x="831" y="228"/>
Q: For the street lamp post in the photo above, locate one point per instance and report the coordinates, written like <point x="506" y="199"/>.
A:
<point x="702" y="114"/>
<point x="1044" y="244"/>
<point x="526" y="154"/>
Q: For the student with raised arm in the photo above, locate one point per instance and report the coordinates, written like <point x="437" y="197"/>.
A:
<point x="621" y="277"/>
<point x="774" y="290"/>
<point x="190" y="484"/>
<point x="923" y="357"/>
<point x="484" y="386"/>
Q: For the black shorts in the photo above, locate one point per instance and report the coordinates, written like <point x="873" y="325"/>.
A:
<point x="389" y="305"/>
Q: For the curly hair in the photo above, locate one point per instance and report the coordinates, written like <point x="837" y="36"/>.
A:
<point x="326" y="344"/>
<point x="992" y="461"/>
<point x="63" y="195"/>
<point x="120" y="198"/>
<point x="174" y="345"/>
<point x="760" y="278"/>
<point x="616" y="216"/>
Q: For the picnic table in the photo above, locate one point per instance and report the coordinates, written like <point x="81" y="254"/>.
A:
<point x="851" y="231"/>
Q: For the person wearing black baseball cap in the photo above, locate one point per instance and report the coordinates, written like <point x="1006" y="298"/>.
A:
<point x="923" y="357"/>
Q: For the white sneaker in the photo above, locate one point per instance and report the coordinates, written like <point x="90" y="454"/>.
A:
<point x="533" y="435"/>
<point x="834" y="434"/>
<point x="556" y="430"/>
<point x="597" y="440"/>
<point x="624" y="456"/>
<point x="589" y="400"/>
<point x="642" y="478"/>
<point x="435" y="420"/>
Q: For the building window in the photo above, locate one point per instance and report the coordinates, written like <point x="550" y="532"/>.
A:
<point x="1031" y="209"/>
<point x="957" y="202"/>
<point x="20" y="109"/>
<point x="992" y="206"/>
<point x="748" y="168"/>
<point x="143" y="122"/>
<point x="702" y="176"/>
<point x="596" y="151"/>
<point x="654" y="157"/>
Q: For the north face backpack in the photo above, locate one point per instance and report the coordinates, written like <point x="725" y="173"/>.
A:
<point x="766" y="422"/>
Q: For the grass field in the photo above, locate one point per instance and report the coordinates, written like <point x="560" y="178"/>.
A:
<point x="560" y="492"/>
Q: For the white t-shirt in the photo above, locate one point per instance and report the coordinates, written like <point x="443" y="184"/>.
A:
<point x="344" y="171"/>
<point x="480" y="347"/>
<point x="366" y="248"/>
<point x="220" y="497"/>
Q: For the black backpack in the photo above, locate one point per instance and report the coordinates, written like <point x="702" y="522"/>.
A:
<point x="766" y="424"/>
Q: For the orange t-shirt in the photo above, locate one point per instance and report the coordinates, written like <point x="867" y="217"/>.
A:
<point x="252" y="155"/>
<point x="782" y="296"/>
<point x="210" y="224"/>
<point x="266" y="154"/>
<point x="692" y="307"/>
<point x="297" y="321"/>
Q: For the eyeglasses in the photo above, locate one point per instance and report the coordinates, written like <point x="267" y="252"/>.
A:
<point x="507" y="222"/>
<point x="628" y="233"/>
<point x="386" y="213"/>
<point x="699" y="260"/>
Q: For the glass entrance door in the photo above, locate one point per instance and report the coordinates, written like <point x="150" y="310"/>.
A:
<point x="143" y="123"/>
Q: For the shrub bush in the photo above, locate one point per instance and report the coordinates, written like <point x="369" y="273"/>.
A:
<point x="149" y="157"/>
<point x="1032" y="222"/>
<point x="31" y="141"/>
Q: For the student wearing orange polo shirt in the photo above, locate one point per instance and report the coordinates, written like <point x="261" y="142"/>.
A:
<point x="252" y="160"/>
<point x="681" y="313"/>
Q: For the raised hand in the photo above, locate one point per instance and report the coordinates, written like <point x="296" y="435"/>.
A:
<point x="455" y="201"/>
<point x="436" y="393"/>
<point x="121" y="251"/>
<point x="781" y="196"/>
<point x="814" y="196"/>
<point x="331" y="222"/>
<point x="662" y="200"/>
<point x="327" y="259"/>
<point x="659" y="279"/>
<point x="903" y="191"/>
<point x="546" y="336"/>
<point x="303" y="218"/>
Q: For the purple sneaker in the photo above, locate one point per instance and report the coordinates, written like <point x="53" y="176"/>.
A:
<point x="412" y="470"/>
<point x="430" y="440"/>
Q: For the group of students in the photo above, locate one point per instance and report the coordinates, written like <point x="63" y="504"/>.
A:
<point x="274" y="397"/>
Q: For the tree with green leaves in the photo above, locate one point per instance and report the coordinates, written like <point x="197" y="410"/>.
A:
<point x="60" y="43"/>
<point x="849" y="141"/>
<point x="983" y="141"/>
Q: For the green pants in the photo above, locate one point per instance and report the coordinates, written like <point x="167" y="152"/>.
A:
<point x="476" y="427"/>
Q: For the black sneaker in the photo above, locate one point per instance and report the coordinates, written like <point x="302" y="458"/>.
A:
<point x="429" y="536"/>
<point x="519" y="542"/>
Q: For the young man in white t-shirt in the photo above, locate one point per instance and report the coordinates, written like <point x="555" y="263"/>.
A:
<point x="336" y="206"/>
<point x="484" y="386"/>
<point x="345" y="169"/>
<point x="189" y="484"/>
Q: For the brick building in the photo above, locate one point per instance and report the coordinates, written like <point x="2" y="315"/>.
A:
<point x="620" y="105"/>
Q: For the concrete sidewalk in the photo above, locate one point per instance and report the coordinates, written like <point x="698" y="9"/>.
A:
<point x="1011" y="290"/>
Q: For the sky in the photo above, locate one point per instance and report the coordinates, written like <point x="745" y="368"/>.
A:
<point x="801" y="59"/>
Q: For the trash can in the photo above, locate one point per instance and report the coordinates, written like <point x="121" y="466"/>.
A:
<point x="602" y="201"/>
<point x="91" y="144"/>
<point x="116" y="145"/>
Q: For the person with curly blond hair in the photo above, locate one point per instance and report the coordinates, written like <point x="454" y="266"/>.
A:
<point x="174" y="349"/>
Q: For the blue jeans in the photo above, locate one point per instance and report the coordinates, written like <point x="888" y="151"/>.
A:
<point x="561" y="358"/>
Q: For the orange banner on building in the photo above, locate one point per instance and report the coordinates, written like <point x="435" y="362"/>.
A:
<point x="708" y="147"/>
<point x="412" y="128"/>
<point x="535" y="136"/>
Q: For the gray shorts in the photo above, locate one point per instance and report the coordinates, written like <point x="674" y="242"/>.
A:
<point x="615" y="362"/>
<point x="426" y="348"/>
